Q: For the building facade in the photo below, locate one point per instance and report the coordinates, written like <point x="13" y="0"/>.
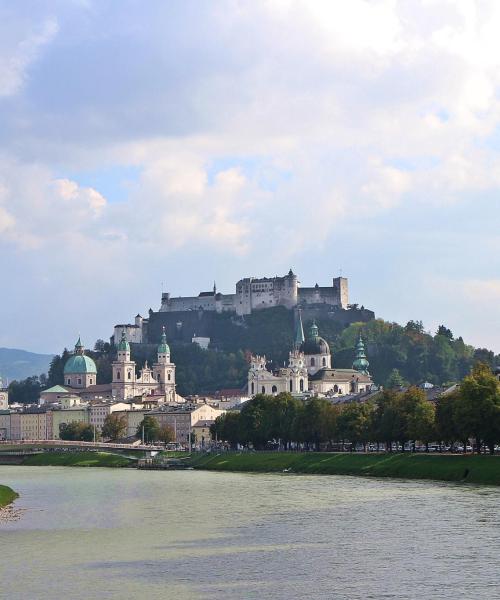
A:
<point x="309" y="370"/>
<point x="159" y="380"/>
<point x="259" y="293"/>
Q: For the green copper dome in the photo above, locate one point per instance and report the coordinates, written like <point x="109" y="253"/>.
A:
<point x="163" y="348"/>
<point x="79" y="363"/>
<point x="123" y="345"/>
<point x="361" y="363"/>
<point x="315" y="344"/>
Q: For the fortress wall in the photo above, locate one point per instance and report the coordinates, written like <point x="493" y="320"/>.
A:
<point x="188" y="303"/>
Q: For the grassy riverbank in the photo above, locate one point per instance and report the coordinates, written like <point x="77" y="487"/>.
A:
<point x="79" y="459"/>
<point x="471" y="469"/>
<point x="7" y="495"/>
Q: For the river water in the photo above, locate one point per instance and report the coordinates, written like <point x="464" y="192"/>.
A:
<point x="116" y="534"/>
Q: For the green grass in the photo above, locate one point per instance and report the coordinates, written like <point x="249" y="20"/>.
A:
<point x="79" y="459"/>
<point x="471" y="469"/>
<point x="7" y="495"/>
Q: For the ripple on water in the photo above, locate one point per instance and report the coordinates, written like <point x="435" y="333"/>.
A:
<point x="115" y="534"/>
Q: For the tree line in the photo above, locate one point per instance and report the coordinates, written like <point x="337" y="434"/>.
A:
<point x="404" y="418"/>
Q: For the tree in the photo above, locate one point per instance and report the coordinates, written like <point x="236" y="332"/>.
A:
<point x="447" y="429"/>
<point x="148" y="429"/>
<point x="114" y="427"/>
<point x="317" y="422"/>
<point x="477" y="410"/>
<point x="395" y="380"/>
<point x="420" y="417"/>
<point x="227" y="428"/>
<point x="283" y="409"/>
<point x="102" y="346"/>
<point x="415" y="327"/>
<point x="166" y="434"/>
<point x="387" y="419"/>
<point x="76" y="431"/>
<point x="445" y="332"/>
<point x="354" y="423"/>
<point x="26" y="391"/>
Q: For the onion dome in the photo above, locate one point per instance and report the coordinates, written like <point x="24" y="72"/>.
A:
<point x="123" y="345"/>
<point x="163" y="348"/>
<point x="79" y="364"/>
<point x="361" y="363"/>
<point x="315" y="344"/>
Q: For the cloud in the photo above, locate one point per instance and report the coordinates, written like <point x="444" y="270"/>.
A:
<point x="260" y="134"/>
<point x="19" y="49"/>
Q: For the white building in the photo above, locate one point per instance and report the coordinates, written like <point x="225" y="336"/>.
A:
<point x="310" y="370"/>
<point x="158" y="380"/>
<point x="258" y="293"/>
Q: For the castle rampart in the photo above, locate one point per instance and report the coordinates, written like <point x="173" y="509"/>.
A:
<point x="260" y="293"/>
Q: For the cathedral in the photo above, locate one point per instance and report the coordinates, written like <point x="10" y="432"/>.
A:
<point x="160" y="380"/>
<point x="80" y="376"/>
<point x="310" y="370"/>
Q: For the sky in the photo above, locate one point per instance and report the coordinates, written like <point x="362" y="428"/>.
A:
<point x="164" y="145"/>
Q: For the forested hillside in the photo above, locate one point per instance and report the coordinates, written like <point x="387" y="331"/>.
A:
<point x="397" y="354"/>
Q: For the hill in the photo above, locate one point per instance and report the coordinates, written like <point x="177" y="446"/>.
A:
<point x="397" y="353"/>
<point x="19" y="364"/>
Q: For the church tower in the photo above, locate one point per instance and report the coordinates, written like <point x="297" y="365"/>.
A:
<point x="361" y="363"/>
<point x="164" y="370"/>
<point x="123" y="385"/>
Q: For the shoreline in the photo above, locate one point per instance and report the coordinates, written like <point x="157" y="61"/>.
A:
<point x="483" y="470"/>
<point x="7" y="496"/>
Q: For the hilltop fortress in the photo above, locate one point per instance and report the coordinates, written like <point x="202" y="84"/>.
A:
<point x="260" y="293"/>
<point x="198" y="318"/>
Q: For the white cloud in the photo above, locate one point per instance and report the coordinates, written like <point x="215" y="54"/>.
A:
<point x="270" y="132"/>
<point x="19" y="50"/>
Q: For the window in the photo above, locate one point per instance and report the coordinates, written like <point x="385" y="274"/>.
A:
<point x="79" y="381"/>
<point x="263" y="389"/>
<point x="168" y="377"/>
<point x="274" y="389"/>
<point x="324" y="361"/>
<point x="130" y="374"/>
<point x="118" y="374"/>
<point x="291" y="385"/>
<point x="69" y="381"/>
<point x="158" y="377"/>
<point x="335" y="388"/>
<point x="301" y="385"/>
<point x="253" y="388"/>
<point x="313" y="362"/>
<point x="90" y="381"/>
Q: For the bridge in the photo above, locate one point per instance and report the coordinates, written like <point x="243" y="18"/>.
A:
<point x="21" y="446"/>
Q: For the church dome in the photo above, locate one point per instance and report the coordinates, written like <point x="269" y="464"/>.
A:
<point x="315" y="344"/>
<point x="163" y="348"/>
<point x="123" y="345"/>
<point x="79" y="363"/>
<point x="361" y="363"/>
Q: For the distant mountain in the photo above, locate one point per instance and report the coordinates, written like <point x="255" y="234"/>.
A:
<point x="19" y="364"/>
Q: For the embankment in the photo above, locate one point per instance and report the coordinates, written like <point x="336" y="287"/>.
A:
<point x="469" y="469"/>
<point x="78" y="459"/>
<point x="7" y="495"/>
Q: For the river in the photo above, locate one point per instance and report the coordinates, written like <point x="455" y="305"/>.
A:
<point x="116" y="534"/>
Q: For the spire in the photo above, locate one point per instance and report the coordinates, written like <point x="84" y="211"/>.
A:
<point x="314" y="331"/>
<point x="361" y="363"/>
<point x="79" y="348"/>
<point x="163" y="348"/>
<point x="215" y="288"/>
<point x="124" y="346"/>
<point x="299" y="332"/>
